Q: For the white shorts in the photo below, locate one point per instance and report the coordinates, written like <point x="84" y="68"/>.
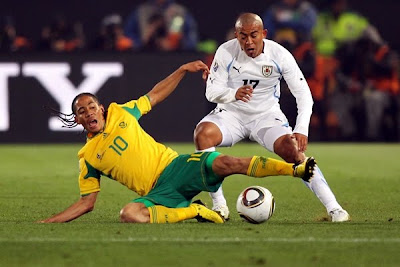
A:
<point x="265" y="130"/>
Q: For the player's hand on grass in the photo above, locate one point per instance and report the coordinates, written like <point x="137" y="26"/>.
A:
<point x="48" y="220"/>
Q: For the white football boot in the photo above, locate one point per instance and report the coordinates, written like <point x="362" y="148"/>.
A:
<point x="339" y="215"/>
<point x="223" y="210"/>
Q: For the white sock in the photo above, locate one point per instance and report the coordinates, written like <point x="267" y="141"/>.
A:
<point x="322" y="190"/>
<point x="218" y="196"/>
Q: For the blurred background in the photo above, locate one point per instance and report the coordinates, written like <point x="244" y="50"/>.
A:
<point x="52" y="50"/>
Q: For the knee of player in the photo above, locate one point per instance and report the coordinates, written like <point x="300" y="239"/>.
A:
<point x="292" y="156"/>
<point x="207" y="134"/>
<point x="132" y="213"/>
<point x="288" y="151"/>
<point x="125" y="214"/>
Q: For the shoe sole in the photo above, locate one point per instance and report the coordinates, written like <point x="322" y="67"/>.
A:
<point x="309" y="164"/>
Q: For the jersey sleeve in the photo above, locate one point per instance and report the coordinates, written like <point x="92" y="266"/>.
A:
<point x="138" y="107"/>
<point x="301" y="91"/>
<point x="217" y="90"/>
<point x="89" y="178"/>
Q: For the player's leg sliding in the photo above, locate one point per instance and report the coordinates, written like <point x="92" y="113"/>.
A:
<point x="311" y="175"/>
<point x="218" y="199"/>
<point x="161" y="214"/>
<point x="322" y="190"/>
<point x="262" y="167"/>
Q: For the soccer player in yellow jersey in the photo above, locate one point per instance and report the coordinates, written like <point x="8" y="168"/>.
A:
<point x="119" y="148"/>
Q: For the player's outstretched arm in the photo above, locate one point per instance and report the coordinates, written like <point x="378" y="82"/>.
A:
<point x="165" y="87"/>
<point x="83" y="205"/>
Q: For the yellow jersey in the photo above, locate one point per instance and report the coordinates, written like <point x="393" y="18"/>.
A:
<point x="123" y="151"/>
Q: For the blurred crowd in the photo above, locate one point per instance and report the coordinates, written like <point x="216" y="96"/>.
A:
<point x="351" y="70"/>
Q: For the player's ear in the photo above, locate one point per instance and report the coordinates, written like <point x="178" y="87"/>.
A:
<point x="76" y="119"/>
<point x="102" y="109"/>
<point x="265" y="33"/>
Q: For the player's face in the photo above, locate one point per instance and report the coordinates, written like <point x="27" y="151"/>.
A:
<point x="250" y="37"/>
<point x="90" y="114"/>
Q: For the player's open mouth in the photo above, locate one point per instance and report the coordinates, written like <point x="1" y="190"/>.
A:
<point x="92" y="123"/>
<point x="250" y="50"/>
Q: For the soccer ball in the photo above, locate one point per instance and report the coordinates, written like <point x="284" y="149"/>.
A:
<point x="255" y="204"/>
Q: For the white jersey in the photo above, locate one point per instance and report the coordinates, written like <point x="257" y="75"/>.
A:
<point x="232" y="68"/>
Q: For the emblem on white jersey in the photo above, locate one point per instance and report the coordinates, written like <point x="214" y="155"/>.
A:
<point x="215" y="68"/>
<point x="267" y="70"/>
<point x="237" y="69"/>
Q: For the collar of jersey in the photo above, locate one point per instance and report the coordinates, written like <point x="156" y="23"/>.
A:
<point x="91" y="136"/>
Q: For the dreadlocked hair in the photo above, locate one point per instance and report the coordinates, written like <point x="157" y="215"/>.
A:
<point x="69" y="119"/>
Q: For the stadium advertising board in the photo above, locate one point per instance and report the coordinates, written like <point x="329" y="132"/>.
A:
<point x="30" y="82"/>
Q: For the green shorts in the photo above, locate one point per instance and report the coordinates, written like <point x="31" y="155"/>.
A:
<point x="184" y="178"/>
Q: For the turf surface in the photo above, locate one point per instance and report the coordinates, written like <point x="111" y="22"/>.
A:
<point x="40" y="180"/>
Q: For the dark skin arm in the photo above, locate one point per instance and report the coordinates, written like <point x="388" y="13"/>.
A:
<point x="82" y="206"/>
<point x="165" y="87"/>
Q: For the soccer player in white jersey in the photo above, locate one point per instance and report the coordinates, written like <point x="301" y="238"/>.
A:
<point x="245" y="83"/>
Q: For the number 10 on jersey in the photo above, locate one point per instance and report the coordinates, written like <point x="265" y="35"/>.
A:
<point x="119" y="145"/>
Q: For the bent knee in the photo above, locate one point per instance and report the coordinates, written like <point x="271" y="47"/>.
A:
<point x="206" y="135"/>
<point x="134" y="213"/>
<point x="286" y="147"/>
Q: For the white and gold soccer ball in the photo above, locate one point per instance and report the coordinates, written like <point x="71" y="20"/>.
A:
<point x="255" y="204"/>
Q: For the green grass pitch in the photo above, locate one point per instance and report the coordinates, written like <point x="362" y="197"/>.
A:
<point x="40" y="180"/>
